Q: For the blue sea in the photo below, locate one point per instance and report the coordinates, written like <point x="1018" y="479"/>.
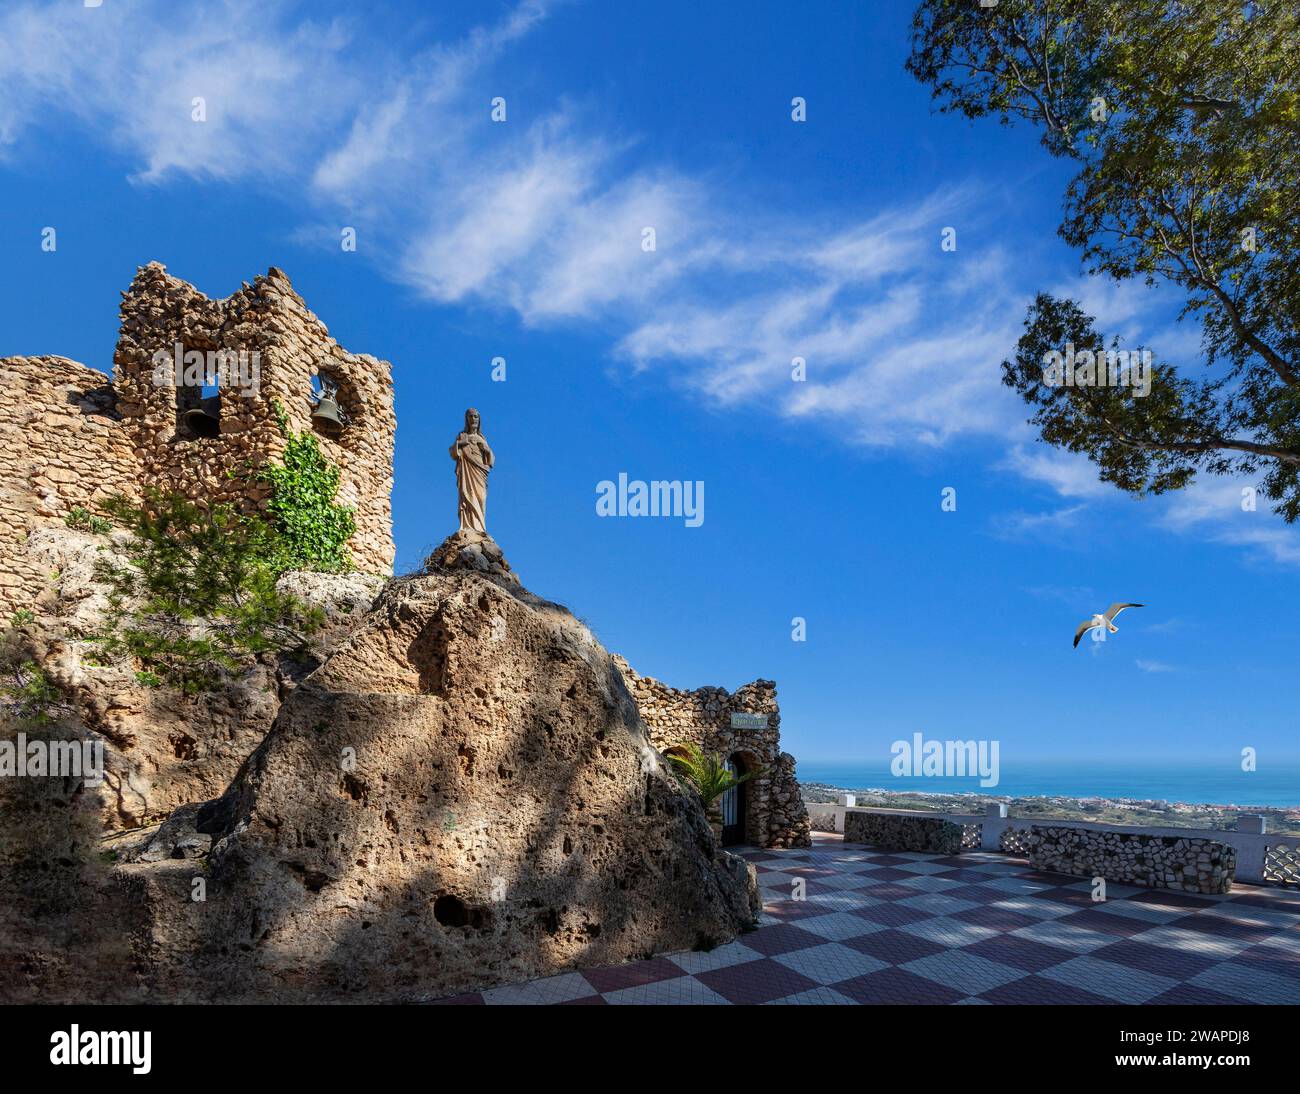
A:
<point x="1199" y="782"/>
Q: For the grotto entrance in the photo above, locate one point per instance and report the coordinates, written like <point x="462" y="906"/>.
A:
<point x="734" y="804"/>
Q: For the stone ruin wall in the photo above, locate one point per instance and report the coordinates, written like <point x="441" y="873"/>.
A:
<point x="61" y="446"/>
<point x="776" y="814"/>
<point x="71" y="437"/>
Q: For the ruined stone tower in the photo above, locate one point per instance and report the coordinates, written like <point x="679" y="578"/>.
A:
<point x="69" y="437"/>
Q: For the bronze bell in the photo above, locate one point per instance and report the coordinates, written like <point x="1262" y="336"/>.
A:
<point x="204" y="420"/>
<point x="326" y="412"/>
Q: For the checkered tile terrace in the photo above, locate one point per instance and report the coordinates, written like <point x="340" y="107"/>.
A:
<point x="973" y="928"/>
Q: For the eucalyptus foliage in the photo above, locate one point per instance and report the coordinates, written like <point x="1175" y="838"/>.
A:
<point x="1182" y="119"/>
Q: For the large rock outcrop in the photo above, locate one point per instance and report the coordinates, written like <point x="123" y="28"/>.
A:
<point x="462" y="794"/>
<point x="73" y="926"/>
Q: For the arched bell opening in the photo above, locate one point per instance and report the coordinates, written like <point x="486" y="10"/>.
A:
<point x="332" y="405"/>
<point x="198" y="396"/>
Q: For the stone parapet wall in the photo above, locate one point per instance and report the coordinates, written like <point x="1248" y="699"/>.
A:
<point x="890" y="832"/>
<point x="776" y="816"/>
<point x="70" y="436"/>
<point x="1191" y="865"/>
<point x="821" y="816"/>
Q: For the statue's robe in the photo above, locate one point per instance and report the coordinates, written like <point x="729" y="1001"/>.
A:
<point x="473" y="461"/>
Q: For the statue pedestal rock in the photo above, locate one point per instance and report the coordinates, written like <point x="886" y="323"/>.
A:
<point x="470" y="550"/>
<point x="509" y="817"/>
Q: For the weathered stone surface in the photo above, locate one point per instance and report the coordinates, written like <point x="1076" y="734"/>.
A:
<point x="1192" y="865"/>
<point x="933" y="835"/>
<point x="471" y="550"/>
<point x="177" y="837"/>
<point x="462" y="795"/>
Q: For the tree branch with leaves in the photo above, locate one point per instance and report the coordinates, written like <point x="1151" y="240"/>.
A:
<point x="1181" y="117"/>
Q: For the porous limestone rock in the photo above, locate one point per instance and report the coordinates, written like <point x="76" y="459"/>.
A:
<point x="462" y="795"/>
<point x="886" y="832"/>
<point x="1190" y="864"/>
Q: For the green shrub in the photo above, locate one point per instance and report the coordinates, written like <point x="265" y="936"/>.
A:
<point x="705" y="772"/>
<point x="29" y="694"/>
<point x="83" y="520"/>
<point x="196" y="593"/>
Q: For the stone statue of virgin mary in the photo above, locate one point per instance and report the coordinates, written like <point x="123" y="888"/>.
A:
<point x="474" y="460"/>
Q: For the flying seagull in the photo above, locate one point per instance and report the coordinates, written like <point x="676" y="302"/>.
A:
<point x="1102" y="620"/>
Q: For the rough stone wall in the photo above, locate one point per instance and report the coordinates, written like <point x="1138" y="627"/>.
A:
<point x="269" y="318"/>
<point x="1159" y="862"/>
<point x="775" y="815"/>
<point x="62" y="445"/>
<point x="70" y="437"/>
<point x="888" y="832"/>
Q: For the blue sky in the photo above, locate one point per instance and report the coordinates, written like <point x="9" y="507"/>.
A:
<point x="774" y="239"/>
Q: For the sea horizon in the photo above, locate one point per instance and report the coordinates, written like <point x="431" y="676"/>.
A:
<point x="1276" y="784"/>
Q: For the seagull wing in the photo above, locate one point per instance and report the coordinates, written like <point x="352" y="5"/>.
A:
<point x="1115" y="609"/>
<point x="1084" y="628"/>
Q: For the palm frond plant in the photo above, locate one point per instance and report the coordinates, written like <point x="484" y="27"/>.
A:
<point x="705" y="772"/>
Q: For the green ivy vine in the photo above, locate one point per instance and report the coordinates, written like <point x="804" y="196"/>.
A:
<point x="313" y="528"/>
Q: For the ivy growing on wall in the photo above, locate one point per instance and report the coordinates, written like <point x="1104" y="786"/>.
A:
<point x="313" y="528"/>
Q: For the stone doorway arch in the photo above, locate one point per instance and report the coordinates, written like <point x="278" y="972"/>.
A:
<point x="737" y="804"/>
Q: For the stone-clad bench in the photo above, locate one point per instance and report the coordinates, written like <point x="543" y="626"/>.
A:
<point x="894" y="833"/>
<point x="1191" y="865"/>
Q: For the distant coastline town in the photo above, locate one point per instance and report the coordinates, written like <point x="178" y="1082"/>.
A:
<point x="1130" y="811"/>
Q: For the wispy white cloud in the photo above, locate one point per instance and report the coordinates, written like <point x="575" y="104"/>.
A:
<point x="545" y="218"/>
<point x="1140" y="315"/>
<point x="1050" y="524"/>
<point x="1218" y="509"/>
<point x="1069" y="594"/>
<point x="1175" y="625"/>
<point x="131" y="76"/>
<point x="1070" y="475"/>
<point x="1154" y="666"/>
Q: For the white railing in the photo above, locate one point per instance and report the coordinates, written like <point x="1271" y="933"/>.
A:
<point x="1257" y="853"/>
